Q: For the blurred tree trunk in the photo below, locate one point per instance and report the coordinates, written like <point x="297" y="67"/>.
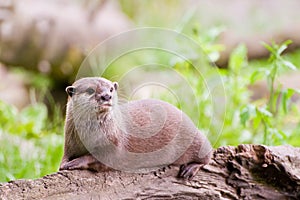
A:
<point x="253" y="43"/>
<point x="52" y="37"/>
<point x="244" y="172"/>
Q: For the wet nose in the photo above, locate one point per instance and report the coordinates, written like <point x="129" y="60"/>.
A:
<point x="105" y="97"/>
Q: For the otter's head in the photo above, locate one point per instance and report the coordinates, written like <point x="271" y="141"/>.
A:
<point x="98" y="94"/>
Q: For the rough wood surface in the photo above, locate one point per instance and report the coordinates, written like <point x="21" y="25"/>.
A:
<point x="243" y="172"/>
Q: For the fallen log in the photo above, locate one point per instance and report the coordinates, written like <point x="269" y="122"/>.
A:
<point x="243" y="172"/>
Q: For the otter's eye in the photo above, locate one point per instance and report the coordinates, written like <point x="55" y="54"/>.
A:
<point x="90" y="91"/>
<point x="111" y="89"/>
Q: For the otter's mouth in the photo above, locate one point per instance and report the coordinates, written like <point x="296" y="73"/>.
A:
<point x="104" y="106"/>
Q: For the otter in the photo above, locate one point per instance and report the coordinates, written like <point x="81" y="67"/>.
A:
<point x="102" y="134"/>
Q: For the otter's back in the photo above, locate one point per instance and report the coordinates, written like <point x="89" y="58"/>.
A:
<point x="157" y="128"/>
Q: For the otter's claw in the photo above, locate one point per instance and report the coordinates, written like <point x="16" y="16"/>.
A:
<point x="187" y="172"/>
<point x="75" y="164"/>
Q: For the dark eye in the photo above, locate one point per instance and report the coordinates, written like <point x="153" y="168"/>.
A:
<point x="111" y="89"/>
<point x="90" y="91"/>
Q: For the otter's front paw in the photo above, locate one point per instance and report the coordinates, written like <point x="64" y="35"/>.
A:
<point x="188" y="171"/>
<point x="77" y="163"/>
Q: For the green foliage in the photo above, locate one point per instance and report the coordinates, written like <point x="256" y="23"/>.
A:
<point x="270" y="114"/>
<point x="266" y="121"/>
<point x="28" y="123"/>
<point x="277" y="62"/>
<point x="207" y="41"/>
<point x="29" y="146"/>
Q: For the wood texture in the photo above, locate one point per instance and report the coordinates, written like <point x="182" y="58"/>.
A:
<point x="243" y="172"/>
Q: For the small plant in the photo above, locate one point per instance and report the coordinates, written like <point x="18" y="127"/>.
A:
<point x="277" y="63"/>
<point x="269" y="114"/>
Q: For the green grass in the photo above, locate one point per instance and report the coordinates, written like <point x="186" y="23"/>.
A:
<point x="31" y="144"/>
<point x="29" y="158"/>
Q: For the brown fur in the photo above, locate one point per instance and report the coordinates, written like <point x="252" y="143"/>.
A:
<point x="144" y="134"/>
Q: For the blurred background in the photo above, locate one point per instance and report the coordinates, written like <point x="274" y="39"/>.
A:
<point x="253" y="47"/>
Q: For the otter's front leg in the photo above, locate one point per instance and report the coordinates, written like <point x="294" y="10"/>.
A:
<point x="86" y="162"/>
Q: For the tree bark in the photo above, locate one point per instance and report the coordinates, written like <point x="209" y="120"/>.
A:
<point x="243" y="172"/>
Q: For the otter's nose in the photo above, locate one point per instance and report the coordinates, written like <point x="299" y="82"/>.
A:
<point x="105" y="97"/>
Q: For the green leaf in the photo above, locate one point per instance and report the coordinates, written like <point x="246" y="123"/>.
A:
<point x="238" y="58"/>
<point x="282" y="134"/>
<point x="288" y="42"/>
<point x="289" y="65"/>
<point x="290" y="92"/>
<point x="255" y="76"/>
<point x="273" y="71"/>
<point x="286" y="95"/>
<point x="264" y="112"/>
<point x="284" y="101"/>
<point x="247" y="113"/>
<point x="244" y="116"/>
<point x="256" y="121"/>
<point x="269" y="48"/>
<point x="281" y="49"/>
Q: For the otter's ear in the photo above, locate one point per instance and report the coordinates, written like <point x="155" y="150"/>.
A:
<point x="70" y="90"/>
<point x="116" y="85"/>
